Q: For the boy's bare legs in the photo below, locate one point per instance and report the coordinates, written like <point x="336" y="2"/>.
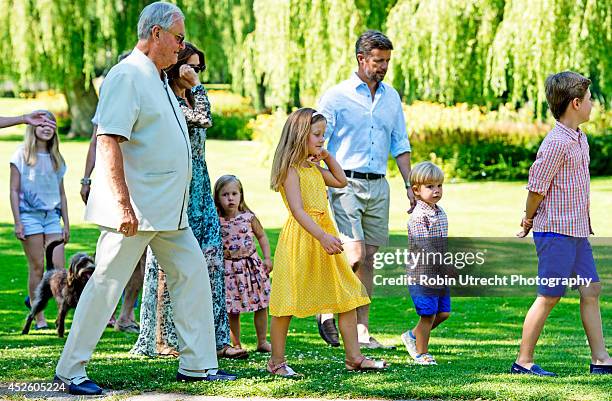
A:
<point x="422" y="331"/>
<point x="440" y="317"/>
<point x="424" y="327"/>
<point x="278" y="336"/>
<point x="260" y="319"/>
<point x="532" y="328"/>
<point x="234" y="323"/>
<point x="591" y="321"/>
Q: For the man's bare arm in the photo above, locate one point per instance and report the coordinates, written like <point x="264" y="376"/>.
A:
<point x="111" y="153"/>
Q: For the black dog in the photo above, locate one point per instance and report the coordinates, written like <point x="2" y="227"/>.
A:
<point x="65" y="286"/>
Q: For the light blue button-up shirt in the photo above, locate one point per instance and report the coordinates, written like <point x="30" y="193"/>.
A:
<point x="361" y="131"/>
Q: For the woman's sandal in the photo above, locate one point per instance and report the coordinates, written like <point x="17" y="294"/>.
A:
<point x="358" y="365"/>
<point x="167" y="350"/>
<point x="274" y="369"/>
<point x="223" y="353"/>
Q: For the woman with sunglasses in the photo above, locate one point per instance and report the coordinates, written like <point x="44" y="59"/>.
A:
<point x="157" y="333"/>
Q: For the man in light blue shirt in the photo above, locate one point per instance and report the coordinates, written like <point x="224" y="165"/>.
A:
<point x="365" y="123"/>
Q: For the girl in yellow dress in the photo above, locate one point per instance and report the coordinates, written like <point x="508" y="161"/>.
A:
<point x="311" y="274"/>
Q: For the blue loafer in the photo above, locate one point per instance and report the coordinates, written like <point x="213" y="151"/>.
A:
<point x="219" y="376"/>
<point x="535" y="370"/>
<point x="88" y="387"/>
<point x="601" y="369"/>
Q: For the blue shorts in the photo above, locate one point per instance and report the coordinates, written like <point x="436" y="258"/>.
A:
<point x="561" y="256"/>
<point x="430" y="301"/>
<point x="41" y="222"/>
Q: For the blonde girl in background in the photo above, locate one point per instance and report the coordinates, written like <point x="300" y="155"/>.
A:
<point x="38" y="200"/>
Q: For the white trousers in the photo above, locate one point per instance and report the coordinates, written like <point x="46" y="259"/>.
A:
<point x="190" y="293"/>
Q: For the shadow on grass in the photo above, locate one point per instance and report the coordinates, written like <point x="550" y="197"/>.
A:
<point x="474" y="349"/>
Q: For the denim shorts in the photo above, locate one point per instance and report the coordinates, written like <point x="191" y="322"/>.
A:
<point x="429" y="301"/>
<point x="41" y="222"/>
<point x="561" y="256"/>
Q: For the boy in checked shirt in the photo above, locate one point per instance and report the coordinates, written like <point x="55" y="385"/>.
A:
<point x="427" y="234"/>
<point x="558" y="211"/>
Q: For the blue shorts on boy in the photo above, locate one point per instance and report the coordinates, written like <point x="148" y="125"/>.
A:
<point x="561" y="257"/>
<point x="430" y="301"/>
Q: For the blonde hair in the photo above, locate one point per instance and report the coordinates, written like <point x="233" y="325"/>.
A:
<point x="426" y="173"/>
<point x="292" y="147"/>
<point x="29" y="146"/>
<point x="223" y="181"/>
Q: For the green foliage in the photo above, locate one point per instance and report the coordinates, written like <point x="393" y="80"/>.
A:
<point x="472" y="144"/>
<point x="230" y="127"/>
<point x="469" y="142"/>
<point x="286" y="53"/>
<point x="490" y="52"/>
<point x="600" y="147"/>
<point x="297" y="49"/>
<point x="231" y="116"/>
<point x="374" y="12"/>
<point x="539" y="37"/>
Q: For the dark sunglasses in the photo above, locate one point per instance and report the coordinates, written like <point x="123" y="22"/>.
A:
<point x="179" y="38"/>
<point x="197" y="68"/>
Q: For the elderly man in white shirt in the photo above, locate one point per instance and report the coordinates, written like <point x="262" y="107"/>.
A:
<point x="139" y="199"/>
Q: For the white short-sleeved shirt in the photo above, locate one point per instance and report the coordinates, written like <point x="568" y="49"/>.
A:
<point x="137" y="104"/>
<point x="39" y="184"/>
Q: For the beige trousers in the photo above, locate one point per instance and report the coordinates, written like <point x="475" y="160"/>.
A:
<point x="190" y="293"/>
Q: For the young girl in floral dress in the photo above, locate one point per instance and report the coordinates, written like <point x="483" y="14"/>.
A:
<point x="247" y="282"/>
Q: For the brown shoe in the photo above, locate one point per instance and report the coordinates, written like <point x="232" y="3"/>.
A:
<point x="328" y="331"/>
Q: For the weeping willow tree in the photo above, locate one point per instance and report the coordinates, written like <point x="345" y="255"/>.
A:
<point x="234" y="30"/>
<point x="441" y="47"/>
<point x="60" y="42"/>
<point x="374" y="13"/>
<point x="539" y="37"/>
<point x="298" y="49"/>
<point x="209" y="25"/>
<point x="493" y="51"/>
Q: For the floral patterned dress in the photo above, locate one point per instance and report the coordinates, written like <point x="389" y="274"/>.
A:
<point x="247" y="282"/>
<point x="156" y="322"/>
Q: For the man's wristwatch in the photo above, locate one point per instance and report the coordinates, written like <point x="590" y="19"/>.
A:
<point x="86" y="181"/>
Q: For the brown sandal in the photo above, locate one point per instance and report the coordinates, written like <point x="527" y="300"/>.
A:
<point x="272" y="368"/>
<point x="223" y="353"/>
<point x="358" y="365"/>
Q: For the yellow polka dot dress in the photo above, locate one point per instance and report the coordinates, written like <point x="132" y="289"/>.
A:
<point x="306" y="280"/>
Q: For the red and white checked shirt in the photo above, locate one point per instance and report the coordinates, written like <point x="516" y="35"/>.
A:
<point x="561" y="173"/>
<point x="427" y="236"/>
<point x="426" y="221"/>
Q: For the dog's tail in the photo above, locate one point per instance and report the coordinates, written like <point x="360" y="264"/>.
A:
<point x="49" y="253"/>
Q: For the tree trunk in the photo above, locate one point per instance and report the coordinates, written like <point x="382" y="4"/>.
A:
<point x="81" y="106"/>
<point x="261" y="93"/>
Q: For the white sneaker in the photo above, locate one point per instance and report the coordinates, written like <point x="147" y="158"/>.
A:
<point x="410" y="344"/>
<point x="425" y="359"/>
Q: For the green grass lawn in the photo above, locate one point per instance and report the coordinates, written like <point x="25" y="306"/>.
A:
<point x="474" y="348"/>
